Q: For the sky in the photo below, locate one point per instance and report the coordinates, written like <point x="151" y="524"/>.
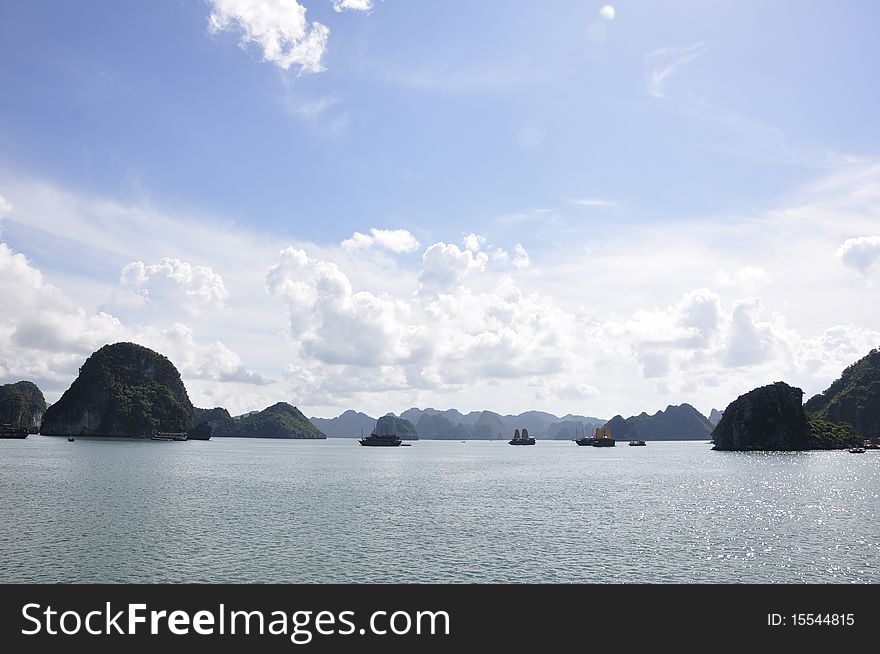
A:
<point x="506" y="205"/>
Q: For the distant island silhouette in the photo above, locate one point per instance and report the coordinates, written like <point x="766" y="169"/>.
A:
<point x="127" y="390"/>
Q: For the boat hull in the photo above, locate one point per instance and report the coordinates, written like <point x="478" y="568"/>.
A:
<point x="585" y="442"/>
<point x="380" y="441"/>
<point x="522" y="441"/>
<point x="604" y="442"/>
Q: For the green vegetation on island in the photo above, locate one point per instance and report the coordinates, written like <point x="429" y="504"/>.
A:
<point x="222" y="424"/>
<point x="773" y="418"/>
<point x="22" y="405"/>
<point x="280" y="420"/>
<point x="123" y="389"/>
<point x="390" y="424"/>
<point x="853" y="399"/>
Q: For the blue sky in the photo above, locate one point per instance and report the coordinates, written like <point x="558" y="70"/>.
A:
<point x="673" y="144"/>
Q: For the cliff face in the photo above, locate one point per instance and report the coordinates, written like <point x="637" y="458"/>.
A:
<point x="221" y="423"/>
<point x="22" y="405"/>
<point x="853" y="399"/>
<point x="123" y="389"/>
<point x="435" y="426"/>
<point x="278" y="421"/>
<point x="767" y="418"/>
<point x="682" y="422"/>
<point x="391" y="424"/>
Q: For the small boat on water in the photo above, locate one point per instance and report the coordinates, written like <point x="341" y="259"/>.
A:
<point x="168" y="436"/>
<point x="587" y="440"/>
<point x="521" y="438"/>
<point x="70" y="439"/>
<point x="11" y="431"/>
<point x="381" y="440"/>
<point x="637" y="443"/>
<point x="857" y="450"/>
<point x="871" y="445"/>
<point x="603" y="439"/>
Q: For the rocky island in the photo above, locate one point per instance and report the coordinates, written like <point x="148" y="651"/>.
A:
<point x="853" y="399"/>
<point x="390" y="424"/>
<point x="22" y="405"/>
<point x="682" y="422"/>
<point x="773" y="418"/>
<point x="123" y="390"/>
<point x="280" y="420"/>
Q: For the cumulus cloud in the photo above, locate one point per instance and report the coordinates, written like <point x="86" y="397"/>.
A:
<point x="474" y="242"/>
<point x="334" y="324"/>
<point x="861" y="253"/>
<point x="173" y="283"/>
<point x="209" y="361"/>
<point x="398" y="241"/>
<point x="444" y="267"/>
<point x="698" y="333"/>
<point x="443" y="339"/>
<point x="278" y="27"/>
<point x="521" y="258"/>
<point x="355" y="5"/>
<point x="5" y="206"/>
<point x="43" y="335"/>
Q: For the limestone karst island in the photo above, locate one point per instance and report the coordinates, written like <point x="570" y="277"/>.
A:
<point x="125" y="390"/>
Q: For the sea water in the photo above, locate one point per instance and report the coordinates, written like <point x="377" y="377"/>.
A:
<point x="241" y="510"/>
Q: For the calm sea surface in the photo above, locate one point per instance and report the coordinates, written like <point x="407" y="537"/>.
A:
<point x="234" y="510"/>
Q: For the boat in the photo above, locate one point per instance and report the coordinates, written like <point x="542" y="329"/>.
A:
<point x="588" y="440"/>
<point x="521" y="438"/>
<point x="381" y="440"/>
<point x="70" y="439"/>
<point x="603" y="439"/>
<point x="11" y="431"/>
<point x="871" y="445"/>
<point x="168" y="436"/>
<point x="857" y="450"/>
<point x="637" y="442"/>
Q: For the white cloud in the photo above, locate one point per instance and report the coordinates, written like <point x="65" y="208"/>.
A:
<point x="597" y="334"/>
<point x="399" y="241"/>
<point x="332" y="323"/>
<point x="592" y="202"/>
<point x="444" y="267"/>
<point x="212" y="361"/>
<point x="670" y="59"/>
<point x="749" y="276"/>
<point x="5" y="206"/>
<point x="474" y="242"/>
<point x="278" y="27"/>
<point x="521" y="258"/>
<point x="356" y="5"/>
<point x="43" y="335"/>
<point x="607" y="12"/>
<point x="861" y="253"/>
<point x="173" y="283"/>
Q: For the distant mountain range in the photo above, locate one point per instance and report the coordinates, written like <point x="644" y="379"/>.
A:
<point x="679" y="423"/>
<point x="455" y="425"/>
<point x="351" y="424"/>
